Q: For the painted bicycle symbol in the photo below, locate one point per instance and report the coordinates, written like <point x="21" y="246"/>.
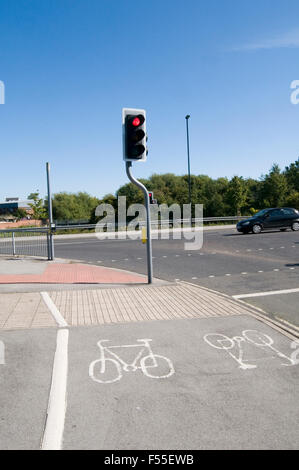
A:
<point x="260" y="340"/>
<point x="108" y="369"/>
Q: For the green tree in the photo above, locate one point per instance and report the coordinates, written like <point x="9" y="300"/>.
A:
<point x="20" y="213"/>
<point x="292" y="175"/>
<point x="73" y="206"/>
<point x="274" y="188"/>
<point x="237" y="194"/>
<point x="39" y="212"/>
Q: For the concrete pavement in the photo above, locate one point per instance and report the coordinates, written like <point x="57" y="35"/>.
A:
<point x="212" y="373"/>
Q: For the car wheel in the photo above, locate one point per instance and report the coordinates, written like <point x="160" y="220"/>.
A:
<point x="295" y="226"/>
<point x="256" y="228"/>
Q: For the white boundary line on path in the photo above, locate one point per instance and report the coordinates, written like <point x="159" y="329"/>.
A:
<point x="54" y="310"/>
<point x="53" y="434"/>
<point x="264" y="294"/>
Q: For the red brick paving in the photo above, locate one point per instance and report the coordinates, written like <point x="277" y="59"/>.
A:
<point x="57" y="273"/>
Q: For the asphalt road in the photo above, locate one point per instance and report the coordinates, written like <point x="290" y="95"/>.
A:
<point x="200" y="394"/>
<point x="228" y="262"/>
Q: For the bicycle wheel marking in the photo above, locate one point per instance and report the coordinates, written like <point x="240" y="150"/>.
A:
<point x="256" y="338"/>
<point x="110" y="366"/>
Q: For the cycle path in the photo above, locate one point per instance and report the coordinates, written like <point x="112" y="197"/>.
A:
<point x="207" y="401"/>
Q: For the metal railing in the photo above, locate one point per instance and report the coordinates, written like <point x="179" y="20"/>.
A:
<point x="171" y="222"/>
<point x="36" y="241"/>
<point x="25" y="241"/>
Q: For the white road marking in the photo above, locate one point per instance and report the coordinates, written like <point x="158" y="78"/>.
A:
<point x="276" y="270"/>
<point x="260" y="340"/>
<point x="211" y="276"/>
<point x="148" y="361"/>
<point x="54" y="310"/>
<point x="194" y="278"/>
<point x="228" y="274"/>
<point x="244" y="273"/>
<point x="264" y="294"/>
<point x="260" y="271"/>
<point x="53" y="434"/>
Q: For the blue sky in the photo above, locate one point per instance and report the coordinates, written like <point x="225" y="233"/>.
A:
<point x="69" y="66"/>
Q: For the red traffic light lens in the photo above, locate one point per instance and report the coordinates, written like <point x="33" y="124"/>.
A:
<point x="136" y="122"/>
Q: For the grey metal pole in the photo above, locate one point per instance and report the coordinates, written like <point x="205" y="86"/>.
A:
<point x="189" y="175"/>
<point x="148" y="222"/>
<point x="13" y="244"/>
<point x="51" y="242"/>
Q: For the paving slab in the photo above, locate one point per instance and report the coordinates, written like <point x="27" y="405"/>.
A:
<point x="74" y="273"/>
<point x="24" y="310"/>
<point x="148" y="303"/>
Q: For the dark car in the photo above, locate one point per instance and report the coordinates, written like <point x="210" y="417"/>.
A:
<point x="279" y="218"/>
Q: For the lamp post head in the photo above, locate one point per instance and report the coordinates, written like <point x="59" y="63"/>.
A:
<point x="187" y="117"/>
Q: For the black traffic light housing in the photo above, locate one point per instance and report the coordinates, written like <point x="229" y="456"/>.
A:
<point x="151" y="198"/>
<point x="134" y="134"/>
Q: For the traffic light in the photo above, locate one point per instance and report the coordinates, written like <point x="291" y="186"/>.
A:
<point x="134" y="135"/>
<point x="151" y="198"/>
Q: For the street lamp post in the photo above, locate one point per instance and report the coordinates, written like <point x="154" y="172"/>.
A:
<point x="188" y="153"/>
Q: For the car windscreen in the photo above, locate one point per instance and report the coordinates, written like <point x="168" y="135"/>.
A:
<point x="260" y="213"/>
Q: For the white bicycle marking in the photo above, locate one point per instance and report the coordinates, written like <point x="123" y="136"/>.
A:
<point x="260" y="340"/>
<point x="145" y="358"/>
<point x="226" y="343"/>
